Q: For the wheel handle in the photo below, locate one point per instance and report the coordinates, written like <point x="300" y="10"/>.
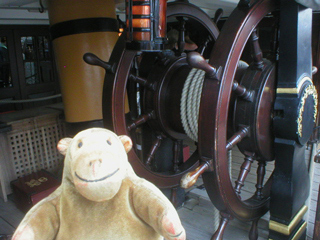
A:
<point x="196" y="60"/>
<point x="189" y="179"/>
<point x="92" y="59"/>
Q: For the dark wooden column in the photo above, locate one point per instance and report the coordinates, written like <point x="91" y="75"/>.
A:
<point x="316" y="59"/>
<point x="316" y="231"/>
<point x="293" y="123"/>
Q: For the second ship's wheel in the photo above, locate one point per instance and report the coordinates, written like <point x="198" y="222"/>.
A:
<point x="250" y="116"/>
<point x="235" y="106"/>
<point x="158" y="81"/>
<point x="152" y="84"/>
<point x="145" y="96"/>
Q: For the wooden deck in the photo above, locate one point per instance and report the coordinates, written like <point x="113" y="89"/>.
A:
<point x="200" y="219"/>
<point x="10" y="216"/>
<point x="198" y="215"/>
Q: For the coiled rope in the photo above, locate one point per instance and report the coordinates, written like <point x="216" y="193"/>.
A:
<point x="190" y="102"/>
<point x="190" y="99"/>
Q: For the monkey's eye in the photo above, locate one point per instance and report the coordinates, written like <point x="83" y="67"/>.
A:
<point x="80" y="144"/>
<point x="109" y="142"/>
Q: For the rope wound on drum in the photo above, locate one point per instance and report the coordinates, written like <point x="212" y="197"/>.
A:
<point x="191" y="96"/>
<point x="190" y="102"/>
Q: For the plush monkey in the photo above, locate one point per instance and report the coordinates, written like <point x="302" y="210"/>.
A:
<point x="101" y="198"/>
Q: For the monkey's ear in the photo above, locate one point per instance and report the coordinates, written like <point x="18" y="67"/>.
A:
<point x="126" y="141"/>
<point x="63" y="145"/>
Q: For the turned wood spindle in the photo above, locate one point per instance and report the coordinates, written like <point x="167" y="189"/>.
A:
<point x="253" y="234"/>
<point x="225" y="218"/>
<point x="241" y="91"/>
<point x="141" y="81"/>
<point x="141" y="120"/>
<point x="195" y="60"/>
<point x="153" y="150"/>
<point x="256" y="50"/>
<point x="245" y="169"/>
<point x="176" y="155"/>
<point x="237" y="137"/>
<point x="92" y="59"/>
<point x="189" y="179"/>
<point x="261" y="172"/>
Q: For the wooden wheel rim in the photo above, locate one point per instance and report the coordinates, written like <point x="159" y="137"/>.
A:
<point x="215" y="99"/>
<point x="114" y="95"/>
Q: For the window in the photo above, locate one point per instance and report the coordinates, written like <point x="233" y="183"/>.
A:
<point x="26" y="66"/>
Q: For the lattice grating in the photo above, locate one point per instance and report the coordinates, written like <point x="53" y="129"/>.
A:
<point x="35" y="149"/>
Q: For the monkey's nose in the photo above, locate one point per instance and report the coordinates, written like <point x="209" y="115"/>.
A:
<point x="95" y="161"/>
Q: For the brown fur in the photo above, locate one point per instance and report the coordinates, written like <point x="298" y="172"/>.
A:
<point x="120" y="206"/>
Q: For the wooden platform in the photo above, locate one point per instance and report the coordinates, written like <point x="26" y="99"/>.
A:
<point x="10" y="216"/>
<point x="200" y="219"/>
<point x="198" y="215"/>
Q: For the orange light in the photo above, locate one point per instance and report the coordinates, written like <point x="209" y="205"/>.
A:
<point x="120" y="31"/>
<point x="142" y="36"/>
<point x="140" y="10"/>
<point x="140" y="23"/>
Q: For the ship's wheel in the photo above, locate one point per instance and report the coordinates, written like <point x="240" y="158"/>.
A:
<point x="152" y="84"/>
<point x="235" y="107"/>
<point x="250" y="114"/>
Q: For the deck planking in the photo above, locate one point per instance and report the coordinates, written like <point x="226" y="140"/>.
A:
<point x="198" y="215"/>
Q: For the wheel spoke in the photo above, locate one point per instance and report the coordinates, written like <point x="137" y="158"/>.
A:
<point x="256" y="50"/>
<point x="253" y="234"/>
<point x="189" y="179"/>
<point x="141" y="81"/>
<point x="153" y="150"/>
<point x="241" y="91"/>
<point x="195" y="60"/>
<point x="225" y="218"/>
<point x="141" y="120"/>
<point x="245" y="169"/>
<point x="261" y="172"/>
<point x="237" y="137"/>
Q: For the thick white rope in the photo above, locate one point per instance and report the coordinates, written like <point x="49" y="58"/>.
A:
<point x="190" y="102"/>
<point x="183" y="102"/>
<point x="190" y="99"/>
